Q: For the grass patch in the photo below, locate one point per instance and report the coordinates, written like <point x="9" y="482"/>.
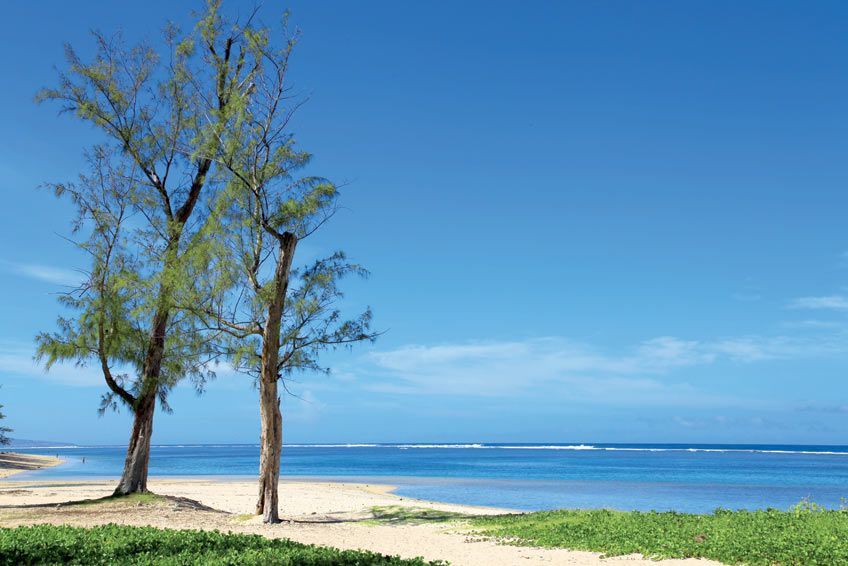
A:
<point x="400" y="515"/>
<point x="806" y="535"/>
<point x="115" y="544"/>
<point x="131" y="499"/>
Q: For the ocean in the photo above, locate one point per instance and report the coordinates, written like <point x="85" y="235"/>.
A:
<point x="686" y="478"/>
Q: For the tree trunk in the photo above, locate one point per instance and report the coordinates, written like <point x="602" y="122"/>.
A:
<point x="269" y="400"/>
<point x="269" y="459"/>
<point x="134" y="478"/>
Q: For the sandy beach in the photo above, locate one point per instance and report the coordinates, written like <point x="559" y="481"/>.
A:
<point x="341" y="515"/>
<point x="12" y="463"/>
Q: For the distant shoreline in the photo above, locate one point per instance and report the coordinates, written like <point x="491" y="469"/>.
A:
<point x="814" y="449"/>
<point x="12" y="463"/>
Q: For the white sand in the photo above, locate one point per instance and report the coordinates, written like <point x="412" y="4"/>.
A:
<point x="329" y="514"/>
<point x="13" y="463"/>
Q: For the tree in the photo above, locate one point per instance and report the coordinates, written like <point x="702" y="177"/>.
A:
<point x="4" y="430"/>
<point x="277" y="320"/>
<point x="164" y="118"/>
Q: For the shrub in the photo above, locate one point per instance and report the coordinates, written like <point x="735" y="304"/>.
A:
<point x="117" y="544"/>
<point x="807" y="534"/>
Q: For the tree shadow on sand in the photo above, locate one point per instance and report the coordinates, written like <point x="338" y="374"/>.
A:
<point x="136" y="499"/>
<point x="400" y="515"/>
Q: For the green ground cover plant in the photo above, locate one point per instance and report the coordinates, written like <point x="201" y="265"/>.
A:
<point x="117" y="544"/>
<point x="808" y="534"/>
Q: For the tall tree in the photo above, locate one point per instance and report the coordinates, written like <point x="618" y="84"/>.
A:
<point x="165" y="116"/>
<point x="278" y="320"/>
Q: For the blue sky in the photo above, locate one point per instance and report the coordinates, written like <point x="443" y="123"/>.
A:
<point x="585" y="222"/>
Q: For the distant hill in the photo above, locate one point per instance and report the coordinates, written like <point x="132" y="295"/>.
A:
<point x="25" y="443"/>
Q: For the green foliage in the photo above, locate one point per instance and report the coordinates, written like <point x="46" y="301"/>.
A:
<point x="4" y="430"/>
<point x="313" y="321"/>
<point x="268" y="205"/>
<point x="141" y="208"/>
<point x="805" y="535"/>
<point x="117" y="297"/>
<point x="114" y="544"/>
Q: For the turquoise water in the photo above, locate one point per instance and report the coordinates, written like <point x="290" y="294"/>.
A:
<point x="696" y="478"/>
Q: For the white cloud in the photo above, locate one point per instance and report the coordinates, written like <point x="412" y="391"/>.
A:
<point x="46" y="273"/>
<point x="638" y="374"/>
<point x="17" y="359"/>
<point x="829" y="302"/>
<point x="752" y="348"/>
<point x="666" y="352"/>
<point x="831" y="341"/>
<point x="510" y="368"/>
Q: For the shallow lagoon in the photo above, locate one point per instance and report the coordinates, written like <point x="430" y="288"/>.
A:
<point x="697" y="478"/>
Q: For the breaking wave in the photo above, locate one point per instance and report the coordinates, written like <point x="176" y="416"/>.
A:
<point x="578" y="447"/>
